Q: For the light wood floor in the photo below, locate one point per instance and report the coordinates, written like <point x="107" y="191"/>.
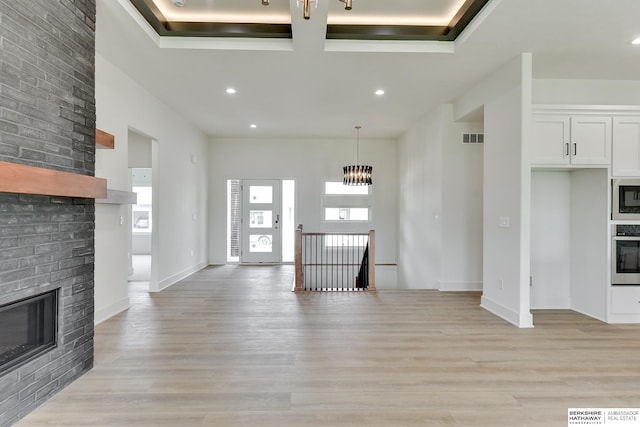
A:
<point x="232" y="346"/>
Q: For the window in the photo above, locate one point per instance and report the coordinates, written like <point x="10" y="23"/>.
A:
<point x="338" y="188"/>
<point x="346" y="203"/>
<point x="234" y="218"/>
<point x="141" y="211"/>
<point x="346" y="214"/>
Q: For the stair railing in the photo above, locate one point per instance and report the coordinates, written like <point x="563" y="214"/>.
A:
<point x="334" y="261"/>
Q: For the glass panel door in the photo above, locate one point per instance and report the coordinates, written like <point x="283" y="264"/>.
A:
<point x="261" y="230"/>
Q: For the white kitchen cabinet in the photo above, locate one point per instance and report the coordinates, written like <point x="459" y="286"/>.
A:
<point x="625" y="299"/>
<point x="551" y="139"/>
<point x="626" y="146"/>
<point x="571" y="140"/>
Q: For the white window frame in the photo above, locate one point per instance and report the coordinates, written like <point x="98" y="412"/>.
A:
<point x="340" y="201"/>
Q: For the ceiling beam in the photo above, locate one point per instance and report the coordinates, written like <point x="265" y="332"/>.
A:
<point x="309" y="34"/>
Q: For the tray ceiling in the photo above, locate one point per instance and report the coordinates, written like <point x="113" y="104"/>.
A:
<point x="436" y="20"/>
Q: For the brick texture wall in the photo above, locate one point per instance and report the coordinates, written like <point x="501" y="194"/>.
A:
<point x="47" y="119"/>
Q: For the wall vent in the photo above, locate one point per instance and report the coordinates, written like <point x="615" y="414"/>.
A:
<point x="473" y="138"/>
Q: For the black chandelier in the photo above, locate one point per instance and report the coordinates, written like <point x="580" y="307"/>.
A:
<point x="357" y="174"/>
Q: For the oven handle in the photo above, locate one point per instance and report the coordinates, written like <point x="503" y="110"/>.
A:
<point x="626" y="238"/>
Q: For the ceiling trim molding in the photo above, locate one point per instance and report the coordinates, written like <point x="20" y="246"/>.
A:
<point x="140" y="20"/>
<point x="449" y="32"/>
<point x="225" y="43"/>
<point x="477" y="21"/>
<point x="389" y="46"/>
<point x="166" y="28"/>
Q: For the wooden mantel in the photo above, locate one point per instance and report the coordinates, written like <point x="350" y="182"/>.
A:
<point x="105" y="140"/>
<point x="22" y="179"/>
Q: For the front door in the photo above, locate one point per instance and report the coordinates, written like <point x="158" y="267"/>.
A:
<point x="261" y="231"/>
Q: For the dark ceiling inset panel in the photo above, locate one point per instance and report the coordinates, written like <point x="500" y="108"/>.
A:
<point x="409" y="32"/>
<point x="208" y="29"/>
<point x="348" y="31"/>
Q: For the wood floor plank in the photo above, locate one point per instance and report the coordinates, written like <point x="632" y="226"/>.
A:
<point x="232" y="346"/>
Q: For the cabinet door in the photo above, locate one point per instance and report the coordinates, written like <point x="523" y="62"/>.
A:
<point x="626" y="146"/>
<point x="590" y="140"/>
<point x="625" y="299"/>
<point x="550" y="144"/>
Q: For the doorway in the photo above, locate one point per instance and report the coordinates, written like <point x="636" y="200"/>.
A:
<point x="141" y="215"/>
<point x="261" y="235"/>
<point x="260" y="221"/>
<point x="141" y="224"/>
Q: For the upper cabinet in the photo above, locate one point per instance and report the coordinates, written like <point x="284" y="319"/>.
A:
<point x="591" y="140"/>
<point x="571" y="140"/>
<point x="551" y="140"/>
<point x="626" y="146"/>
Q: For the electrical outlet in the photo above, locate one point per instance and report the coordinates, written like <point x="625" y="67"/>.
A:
<point x="501" y="284"/>
<point x="192" y="252"/>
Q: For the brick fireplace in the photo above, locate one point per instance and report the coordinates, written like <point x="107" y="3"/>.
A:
<point x="47" y="119"/>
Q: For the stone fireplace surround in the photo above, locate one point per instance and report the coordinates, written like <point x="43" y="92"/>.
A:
<point x="47" y="119"/>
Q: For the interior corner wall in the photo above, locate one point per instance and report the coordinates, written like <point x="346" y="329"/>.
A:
<point x="440" y="205"/>
<point x="308" y="162"/>
<point x="182" y="188"/>
<point x="420" y="203"/>
<point x="590" y="192"/>
<point x="506" y="97"/>
<point x="462" y="207"/>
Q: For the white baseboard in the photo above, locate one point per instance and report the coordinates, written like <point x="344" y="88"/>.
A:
<point x="552" y="307"/>
<point x="592" y="315"/>
<point x="105" y="313"/>
<point x="459" y="286"/>
<point x="504" y="313"/>
<point x="172" y="280"/>
<point x="622" y="318"/>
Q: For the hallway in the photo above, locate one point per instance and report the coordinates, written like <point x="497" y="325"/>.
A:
<point x="232" y="346"/>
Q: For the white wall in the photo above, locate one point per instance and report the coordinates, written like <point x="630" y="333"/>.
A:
<point x="550" y="239"/>
<point x="506" y="98"/>
<point x="440" y="216"/>
<point x="420" y="203"/>
<point x="586" y="92"/>
<point x="307" y="162"/>
<point x="139" y="152"/>
<point x="462" y="207"/>
<point x="589" y="240"/>
<point x="569" y="241"/>
<point x="180" y="217"/>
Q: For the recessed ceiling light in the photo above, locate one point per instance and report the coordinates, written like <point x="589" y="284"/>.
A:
<point x="231" y="90"/>
<point x="636" y="41"/>
<point x="179" y="3"/>
<point x="253" y="126"/>
<point x="380" y="92"/>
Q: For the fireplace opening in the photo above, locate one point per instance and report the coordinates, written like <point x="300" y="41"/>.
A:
<point x="28" y="328"/>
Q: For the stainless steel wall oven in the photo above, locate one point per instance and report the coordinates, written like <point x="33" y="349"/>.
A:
<point x="625" y="254"/>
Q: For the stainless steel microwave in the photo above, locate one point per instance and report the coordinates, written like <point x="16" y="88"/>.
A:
<point x="625" y="197"/>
